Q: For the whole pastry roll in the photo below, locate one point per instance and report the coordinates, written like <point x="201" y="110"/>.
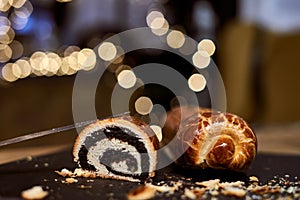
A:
<point x="210" y="139"/>
<point x="121" y="148"/>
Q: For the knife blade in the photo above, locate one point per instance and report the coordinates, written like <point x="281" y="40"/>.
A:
<point x="44" y="133"/>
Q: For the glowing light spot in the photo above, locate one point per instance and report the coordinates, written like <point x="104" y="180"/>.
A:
<point x="71" y="71"/>
<point x="4" y="21"/>
<point x="197" y="82"/>
<point x="17" y="3"/>
<point x="72" y="61"/>
<point x="5" y="53"/>
<point x="175" y="39"/>
<point x="152" y="16"/>
<point x="208" y="46"/>
<point x="7" y="73"/>
<point x="157" y="130"/>
<point x="19" y="20"/>
<point x="157" y="23"/>
<point x="201" y="59"/>
<point x="39" y="62"/>
<point x="161" y="31"/>
<point x="64" y="68"/>
<point x="54" y="63"/>
<point x="87" y="59"/>
<point x="68" y="66"/>
<point x="126" y="79"/>
<point x="4" y="5"/>
<point x="107" y="51"/>
<point x="143" y="105"/>
<point x="24" y="66"/>
<point x="17" y="49"/>
<point x="7" y="34"/>
<point x="16" y="70"/>
<point x="25" y="11"/>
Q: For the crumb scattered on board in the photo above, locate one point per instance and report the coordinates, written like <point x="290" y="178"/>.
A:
<point x="278" y="187"/>
<point x="187" y="189"/>
<point x="36" y="192"/>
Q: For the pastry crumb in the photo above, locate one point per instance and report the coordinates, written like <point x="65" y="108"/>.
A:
<point x="36" y="192"/>
<point x="234" y="191"/>
<point x="70" y="180"/>
<point x="189" y="194"/>
<point x="141" y="192"/>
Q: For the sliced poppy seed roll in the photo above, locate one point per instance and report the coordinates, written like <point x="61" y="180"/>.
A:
<point x="121" y="148"/>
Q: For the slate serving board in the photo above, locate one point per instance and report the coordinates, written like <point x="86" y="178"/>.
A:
<point x="23" y="174"/>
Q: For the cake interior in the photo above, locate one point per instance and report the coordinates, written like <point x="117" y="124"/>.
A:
<point x="111" y="156"/>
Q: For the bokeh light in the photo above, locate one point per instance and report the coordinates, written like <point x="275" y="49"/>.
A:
<point x="5" y="53"/>
<point x="197" y="82"/>
<point x="4" y="5"/>
<point x="208" y="46"/>
<point x="201" y="59"/>
<point x="7" y="73"/>
<point x="157" y="22"/>
<point x="87" y="59"/>
<point x="163" y="30"/>
<point x="16" y="70"/>
<point x="25" y="67"/>
<point x="54" y="63"/>
<point x="64" y="68"/>
<point x="175" y="39"/>
<point x="38" y="60"/>
<point x="17" y="3"/>
<point x="126" y="79"/>
<point x="107" y="51"/>
<point x="72" y="61"/>
<point x="152" y="16"/>
<point x="4" y="21"/>
<point x="143" y="105"/>
<point x="18" y="19"/>
<point x="7" y="34"/>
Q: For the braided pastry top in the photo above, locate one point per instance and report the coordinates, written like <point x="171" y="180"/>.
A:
<point x="211" y="139"/>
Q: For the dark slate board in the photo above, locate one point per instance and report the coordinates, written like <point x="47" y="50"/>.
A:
<point x="20" y="175"/>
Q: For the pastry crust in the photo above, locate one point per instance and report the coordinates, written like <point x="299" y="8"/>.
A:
<point x="140" y="130"/>
<point x="211" y="139"/>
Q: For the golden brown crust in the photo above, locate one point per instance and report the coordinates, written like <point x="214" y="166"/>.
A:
<point x="174" y="121"/>
<point x="213" y="139"/>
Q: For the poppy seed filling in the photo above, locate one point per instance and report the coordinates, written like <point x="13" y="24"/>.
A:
<point x="111" y="156"/>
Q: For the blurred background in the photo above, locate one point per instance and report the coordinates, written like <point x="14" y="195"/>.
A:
<point x="257" y="52"/>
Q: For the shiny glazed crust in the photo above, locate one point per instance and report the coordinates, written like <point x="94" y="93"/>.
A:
<point x="136" y="126"/>
<point x="211" y="139"/>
